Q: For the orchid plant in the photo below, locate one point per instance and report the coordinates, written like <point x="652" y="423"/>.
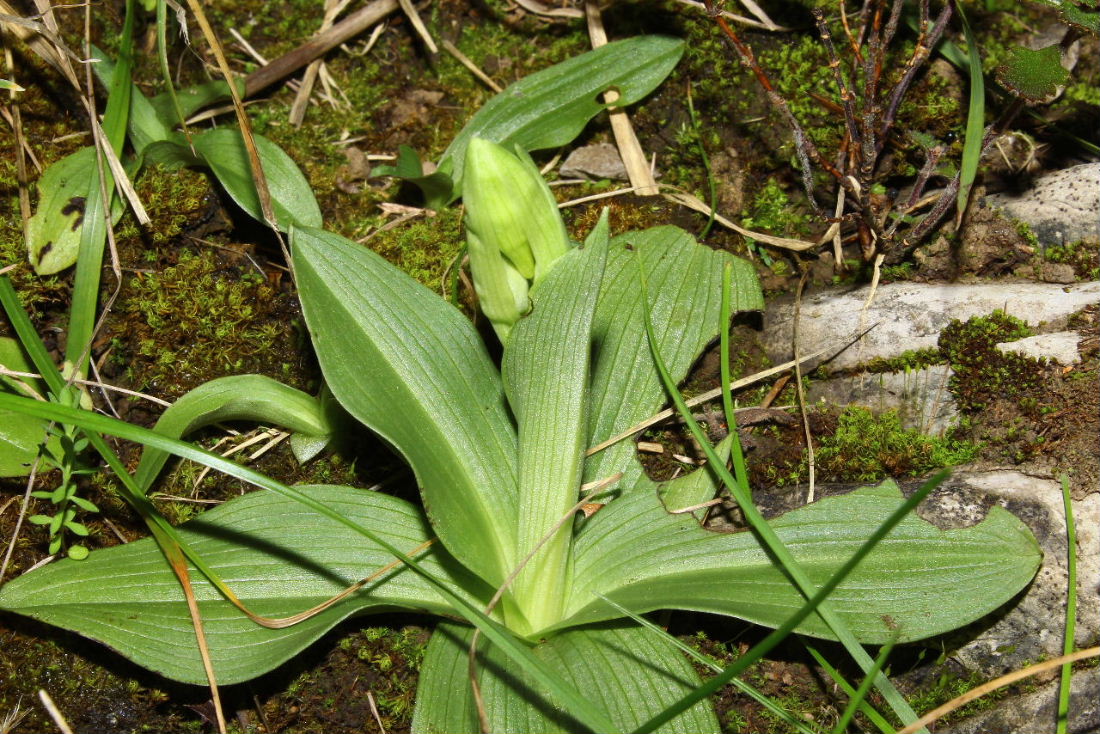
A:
<point x="505" y="455"/>
<point x="500" y="457"/>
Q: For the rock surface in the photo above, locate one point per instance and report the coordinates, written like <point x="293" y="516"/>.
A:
<point x="1030" y="628"/>
<point x="1060" y="207"/>
<point x="920" y="397"/>
<point x="1034" y="713"/>
<point x="1060" y="346"/>
<point x="910" y="316"/>
<point x="600" y="160"/>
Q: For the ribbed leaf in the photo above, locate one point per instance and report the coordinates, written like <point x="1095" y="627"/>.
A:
<point x="292" y="199"/>
<point x="685" y="286"/>
<point x="408" y="365"/>
<point x="549" y="108"/>
<point x="920" y="581"/>
<point x="239" y="397"/>
<point x="279" y="557"/>
<point x="624" y="668"/>
<point x="546" y="372"/>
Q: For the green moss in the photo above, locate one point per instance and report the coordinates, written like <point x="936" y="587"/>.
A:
<point x="949" y="686"/>
<point x="1084" y="257"/>
<point x="868" y="447"/>
<point x="800" y="71"/>
<point x="773" y="212"/>
<point x="197" y="320"/>
<point x="423" y="247"/>
<point x="984" y="373"/>
<point x="912" y="359"/>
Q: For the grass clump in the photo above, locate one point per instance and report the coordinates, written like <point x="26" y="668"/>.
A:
<point x="868" y="447"/>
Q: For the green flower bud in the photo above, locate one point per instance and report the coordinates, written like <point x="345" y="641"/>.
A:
<point x="509" y="206"/>
<point x="501" y="289"/>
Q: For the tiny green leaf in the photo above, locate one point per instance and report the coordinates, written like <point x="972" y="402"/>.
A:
<point x="1033" y="75"/>
<point x="437" y="187"/>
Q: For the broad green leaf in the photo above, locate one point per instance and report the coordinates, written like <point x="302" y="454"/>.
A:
<point x="624" y="668"/>
<point x="240" y="397"/>
<point x="1081" y="16"/>
<point x="549" y="108"/>
<point x="53" y="233"/>
<point x="546" y="376"/>
<point x="279" y="557"/>
<point x="1033" y="75"/>
<point x="21" y="436"/>
<point x="685" y="285"/>
<point x="920" y="581"/>
<point x="1080" y="13"/>
<point x="291" y="196"/>
<point x="409" y="366"/>
<point x="170" y="154"/>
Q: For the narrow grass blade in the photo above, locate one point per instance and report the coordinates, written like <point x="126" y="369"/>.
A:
<point x="860" y="695"/>
<point x="1071" y="608"/>
<point x="812" y="604"/>
<point x="767" y="535"/>
<point x="864" y="708"/>
<point x="165" y="72"/>
<point x="975" y="116"/>
<point x="82" y="309"/>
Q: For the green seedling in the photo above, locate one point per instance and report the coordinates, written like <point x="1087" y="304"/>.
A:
<point x="66" y="459"/>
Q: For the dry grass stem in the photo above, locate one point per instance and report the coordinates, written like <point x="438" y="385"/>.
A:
<point x="411" y="13"/>
<point x="630" y="150"/>
<point x="54" y="712"/>
<point x="1004" y="680"/>
<point x="474" y="68"/>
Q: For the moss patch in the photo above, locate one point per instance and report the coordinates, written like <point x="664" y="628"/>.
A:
<point x="198" y="319"/>
<point x="983" y="372"/>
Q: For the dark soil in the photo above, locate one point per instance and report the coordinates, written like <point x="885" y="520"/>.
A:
<point x="204" y="294"/>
